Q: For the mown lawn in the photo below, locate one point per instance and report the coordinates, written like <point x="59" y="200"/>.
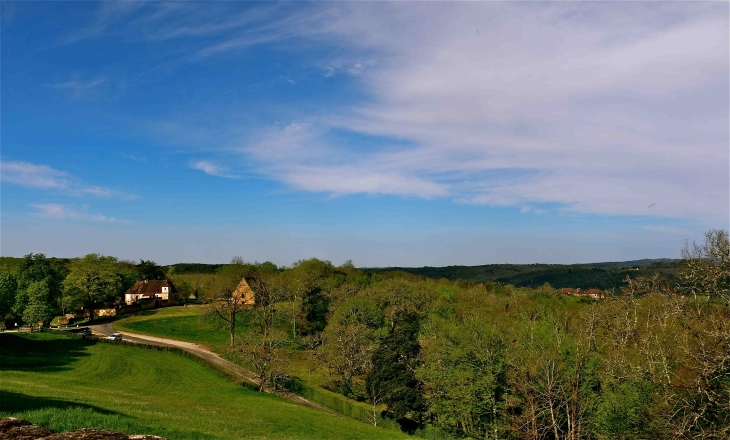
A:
<point x="181" y="323"/>
<point x="65" y="384"/>
<point x="185" y="324"/>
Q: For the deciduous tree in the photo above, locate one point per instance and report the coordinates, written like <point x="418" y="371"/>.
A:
<point x="227" y="301"/>
<point x="93" y="279"/>
<point x="392" y="377"/>
<point x="35" y="268"/>
<point x="38" y="309"/>
<point x="8" y="290"/>
<point x="706" y="270"/>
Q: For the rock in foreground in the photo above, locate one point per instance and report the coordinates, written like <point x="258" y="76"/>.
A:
<point x="17" y="429"/>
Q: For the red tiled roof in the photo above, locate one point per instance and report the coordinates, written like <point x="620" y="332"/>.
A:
<point x="150" y="287"/>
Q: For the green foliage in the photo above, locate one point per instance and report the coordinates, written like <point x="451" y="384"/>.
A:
<point x="358" y="311"/>
<point x="346" y="351"/>
<point x="36" y="268"/>
<point x="401" y="299"/>
<point x="311" y="280"/>
<point x="706" y="271"/>
<point x="128" y="273"/>
<point x="335" y="402"/>
<point x="38" y="308"/>
<point x="463" y="375"/>
<point x="623" y="411"/>
<point x="445" y="305"/>
<point x="93" y="279"/>
<point x="10" y="264"/>
<point x="584" y="276"/>
<point x="8" y="290"/>
<point x="149" y="270"/>
<point x="392" y="379"/>
<point x="194" y="268"/>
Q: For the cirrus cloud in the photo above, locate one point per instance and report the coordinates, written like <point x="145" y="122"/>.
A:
<point x="212" y="169"/>
<point x="47" y="178"/>
<point x="601" y="108"/>
<point x="57" y="211"/>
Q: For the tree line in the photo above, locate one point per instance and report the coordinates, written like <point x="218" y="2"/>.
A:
<point x="464" y="359"/>
<point x="41" y="288"/>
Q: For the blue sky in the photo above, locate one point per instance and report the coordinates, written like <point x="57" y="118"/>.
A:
<point x="387" y="133"/>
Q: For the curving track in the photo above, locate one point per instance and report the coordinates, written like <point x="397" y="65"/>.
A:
<point x="104" y="330"/>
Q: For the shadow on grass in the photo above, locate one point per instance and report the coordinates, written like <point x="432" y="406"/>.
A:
<point x="17" y="402"/>
<point x="41" y="352"/>
<point x="147" y="312"/>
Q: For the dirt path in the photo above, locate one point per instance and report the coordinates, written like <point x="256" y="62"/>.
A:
<point x="104" y="330"/>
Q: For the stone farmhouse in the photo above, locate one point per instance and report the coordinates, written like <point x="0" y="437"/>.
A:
<point x="162" y="291"/>
<point x="243" y="294"/>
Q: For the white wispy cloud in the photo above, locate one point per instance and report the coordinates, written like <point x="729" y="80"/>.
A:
<point x="212" y="169"/>
<point x="600" y="108"/>
<point x="296" y="155"/>
<point x="36" y="176"/>
<point x="210" y="28"/>
<point x="106" y="16"/>
<point x="71" y="212"/>
<point x="47" y="178"/>
<point x="607" y="114"/>
<point x="76" y="88"/>
<point x="352" y="67"/>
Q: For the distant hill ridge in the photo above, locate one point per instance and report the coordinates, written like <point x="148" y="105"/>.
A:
<point x="604" y="275"/>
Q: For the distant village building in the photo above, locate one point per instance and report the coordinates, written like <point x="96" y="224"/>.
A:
<point x="162" y="290"/>
<point x="590" y="293"/>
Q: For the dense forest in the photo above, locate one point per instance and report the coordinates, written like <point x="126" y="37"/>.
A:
<point x="604" y="276"/>
<point x="456" y="359"/>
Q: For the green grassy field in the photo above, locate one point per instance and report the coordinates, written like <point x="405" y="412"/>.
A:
<point x="184" y="324"/>
<point x="64" y="383"/>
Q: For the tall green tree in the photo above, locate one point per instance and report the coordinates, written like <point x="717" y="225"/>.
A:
<point x="128" y="272"/>
<point x="93" y="279"/>
<point x="463" y="375"/>
<point x="402" y="300"/>
<point x="392" y="376"/>
<point x="8" y="290"/>
<point x="35" y="268"/>
<point x="309" y="281"/>
<point x="349" y="340"/>
<point x="38" y="308"/>
<point x="706" y="268"/>
<point x="149" y="270"/>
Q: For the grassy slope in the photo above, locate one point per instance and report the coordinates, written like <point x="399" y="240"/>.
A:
<point x="65" y="384"/>
<point x="181" y="323"/>
<point x="184" y="324"/>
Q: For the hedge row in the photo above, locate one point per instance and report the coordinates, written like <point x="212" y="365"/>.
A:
<point x="336" y="403"/>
